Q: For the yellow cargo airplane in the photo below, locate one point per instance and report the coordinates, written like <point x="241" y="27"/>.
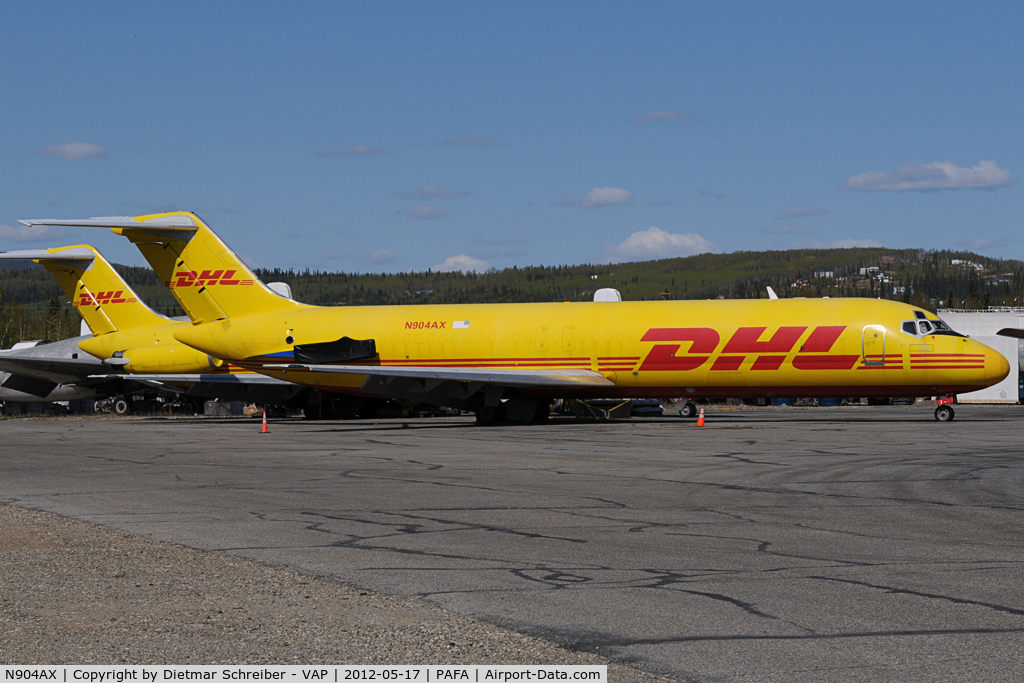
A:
<point x="504" y="361"/>
<point x="132" y="341"/>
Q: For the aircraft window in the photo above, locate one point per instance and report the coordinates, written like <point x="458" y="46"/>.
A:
<point x="943" y="328"/>
<point x="920" y="315"/>
<point x="910" y="327"/>
<point x="925" y="327"/>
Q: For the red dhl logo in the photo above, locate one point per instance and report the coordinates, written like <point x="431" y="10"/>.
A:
<point x="746" y="340"/>
<point x="104" y="298"/>
<point x="190" y="278"/>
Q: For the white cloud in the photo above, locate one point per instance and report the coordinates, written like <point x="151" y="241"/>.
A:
<point x="474" y="141"/>
<point x="73" y="151"/>
<point x="938" y="175"/>
<point x="463" y="262"/>
<point x="426" y="212"/>
<point x="800" y="212"/>
<point x="433" y="192"/>
<point x="664" y="117"/>
<point x="356" y="151"/>
<point x="380" y="256"/>
<point x="599" y="196"/>
<point x="655" y="243"/>
<point x="786" y="230"/>
<point x="30" y="233"/>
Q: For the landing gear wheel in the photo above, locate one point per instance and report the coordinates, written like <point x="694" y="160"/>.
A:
<point x="122" y="406"/>
<point x="489" y="416"/>
<point x="944" y="414"/>
<point x="688" y="410"/>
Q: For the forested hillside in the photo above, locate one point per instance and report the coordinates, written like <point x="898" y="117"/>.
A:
<point x="33" y="306"/>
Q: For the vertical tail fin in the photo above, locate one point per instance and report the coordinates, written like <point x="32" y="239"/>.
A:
<point x="96" y="290"/>
<point x="208" y="279"/>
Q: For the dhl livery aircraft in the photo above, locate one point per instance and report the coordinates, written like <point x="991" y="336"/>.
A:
<point x="129" y="337"/>
<point x="503" y="360"/>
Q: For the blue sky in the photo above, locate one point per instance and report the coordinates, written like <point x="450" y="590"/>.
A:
<point x="396" y="136"/>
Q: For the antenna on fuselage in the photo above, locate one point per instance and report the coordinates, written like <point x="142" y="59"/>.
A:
<point x="771" y="293"/>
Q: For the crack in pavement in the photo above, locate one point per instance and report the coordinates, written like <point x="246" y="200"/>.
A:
<point x="935" y="596"/>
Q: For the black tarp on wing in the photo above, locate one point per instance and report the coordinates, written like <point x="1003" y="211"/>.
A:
<point x="343" y="350"/>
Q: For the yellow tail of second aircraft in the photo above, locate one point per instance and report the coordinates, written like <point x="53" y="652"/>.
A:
<point x="95" y="289"/>
<point x="126" y="332"/>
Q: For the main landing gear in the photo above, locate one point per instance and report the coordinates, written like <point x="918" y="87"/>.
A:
<point x="688" y="410"/>
<point x="944" y="412"/>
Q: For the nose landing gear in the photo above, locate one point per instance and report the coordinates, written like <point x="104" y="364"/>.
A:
<point x="944" y="412"/>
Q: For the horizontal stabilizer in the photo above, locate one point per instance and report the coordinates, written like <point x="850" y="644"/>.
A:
<point x="162" y="223"/>
<point x="497" y="376"/>
<point x="79" y="254"/>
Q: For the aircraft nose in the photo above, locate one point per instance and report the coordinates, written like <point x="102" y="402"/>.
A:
<point x="996" y="367"/>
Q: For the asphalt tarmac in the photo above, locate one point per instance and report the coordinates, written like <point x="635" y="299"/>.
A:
<point x="772" y="545"/>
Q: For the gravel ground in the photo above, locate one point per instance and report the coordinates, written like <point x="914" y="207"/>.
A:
<point x="77" y="593"/>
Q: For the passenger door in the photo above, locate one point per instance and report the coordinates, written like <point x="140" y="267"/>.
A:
<point x="873" y="346"/>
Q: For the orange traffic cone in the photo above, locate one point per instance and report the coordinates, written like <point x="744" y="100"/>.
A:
<point x="267" y="431"/>
<point x="700" y="418"/>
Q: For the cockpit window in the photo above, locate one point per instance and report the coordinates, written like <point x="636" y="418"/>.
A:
<point x="943" y="328"/>
<point x="920" y="315"/>
<point x="921" y="327"/>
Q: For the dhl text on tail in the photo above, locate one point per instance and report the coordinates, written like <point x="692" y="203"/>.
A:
<point x="478" y="355"/>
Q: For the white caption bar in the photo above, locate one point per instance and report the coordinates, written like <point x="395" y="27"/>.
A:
<point x="313" y="674"/>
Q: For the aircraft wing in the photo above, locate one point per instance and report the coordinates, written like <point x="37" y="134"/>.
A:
<point x="56" y="370"/>
<point x="223" y="378"/>
<point x="507" y="377"/>
<point x="250" y="387"/>
<point x="1011" y="332"/>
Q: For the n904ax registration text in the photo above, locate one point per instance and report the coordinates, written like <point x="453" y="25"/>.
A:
<point x="318" y="674"/>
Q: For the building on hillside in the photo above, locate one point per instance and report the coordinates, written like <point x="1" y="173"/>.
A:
<point x="983" y="325"/>
<point x="888" y="260"/>
<point x="824" y="273"/>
